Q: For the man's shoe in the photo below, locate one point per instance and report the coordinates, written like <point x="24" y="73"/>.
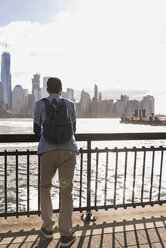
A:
<point x="46" y="234"/>
<point x="67" y="240"/>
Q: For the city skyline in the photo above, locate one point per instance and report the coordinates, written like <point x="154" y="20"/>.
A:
<point x="20" y="103"/>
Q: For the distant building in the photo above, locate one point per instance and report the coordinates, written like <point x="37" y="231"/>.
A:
<point x="84" y="104"/>
<point x="64" y="94"/>
<point x="2" y="105"/>
<point x="124" y="98"/>
<point x="94" y="105"/>
<point x="36" y="91"/>
<point x="70" y="94"/>
<point x="44" y="92"/>
<point x="100" y="96"/>
<point x="93" y="108"/>
<point x="148" y="105"/>
<point x="31" y="105"/>
<point x="133" y="107"/>
<point x="18" y="100"/>
<point x="6" y="79"/>
<point x="120" y="107"/>
<point x="26" y="102"/>
<point x="106" y="108"/>
<point x="96" y="92"/>
<point x="25" y="97"/>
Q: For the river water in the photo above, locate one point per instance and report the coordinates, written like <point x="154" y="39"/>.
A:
<point x="88" y="125"/>
<point x="25" y="126"/>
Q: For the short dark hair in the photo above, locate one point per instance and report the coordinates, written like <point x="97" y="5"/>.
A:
<point x="54" y="84"/>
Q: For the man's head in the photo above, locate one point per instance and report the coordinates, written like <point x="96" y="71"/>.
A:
<point x="54" y="85"/>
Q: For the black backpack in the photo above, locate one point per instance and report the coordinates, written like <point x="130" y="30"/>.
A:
<point x="58" y="127"/>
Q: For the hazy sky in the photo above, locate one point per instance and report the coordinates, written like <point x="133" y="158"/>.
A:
<point x="117" y="44"/>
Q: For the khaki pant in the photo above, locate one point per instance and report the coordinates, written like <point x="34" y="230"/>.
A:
<point x="64" y="161"/>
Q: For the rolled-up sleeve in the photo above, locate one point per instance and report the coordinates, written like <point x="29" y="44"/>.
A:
<point x="37" y="120"/>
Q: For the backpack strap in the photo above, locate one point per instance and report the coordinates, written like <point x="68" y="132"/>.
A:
<point x="45" y="100"/>
<point x="48" y="107"/>
<point x="62" y="105"/>
<point x="49" y="104"/>
<point x="54" y="101"/>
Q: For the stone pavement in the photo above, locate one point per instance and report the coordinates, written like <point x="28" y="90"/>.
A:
<point x="139" y="227"/>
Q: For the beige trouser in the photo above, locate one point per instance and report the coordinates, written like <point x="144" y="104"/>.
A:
<point x="64" y="161"/>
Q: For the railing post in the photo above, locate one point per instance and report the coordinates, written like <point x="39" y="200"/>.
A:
<point x="5" y="186"/>
<point x="17" y="183"/>
<point x="88" y="216"/>
<point x="28" y="198"/>
<point x="161" y="171"/>
<point x="39" y="186"/>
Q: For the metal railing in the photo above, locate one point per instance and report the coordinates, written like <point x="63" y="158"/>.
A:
<point x="105" y="177"/>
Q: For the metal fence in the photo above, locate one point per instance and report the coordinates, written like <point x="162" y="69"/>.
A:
<point x="110" y="177"/>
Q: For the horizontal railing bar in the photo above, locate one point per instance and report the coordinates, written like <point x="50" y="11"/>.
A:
<point x="136" y="204"/>
<point x="6" y="138"/>
<point x="19" y="213"/>
<point x="18" y="152"/>
<point x="14" y="138"/>
<point x="125" y="149"/>
<point x="160" y="148"/>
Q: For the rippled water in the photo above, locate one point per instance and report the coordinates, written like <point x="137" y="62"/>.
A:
<point x="10" y="126"/>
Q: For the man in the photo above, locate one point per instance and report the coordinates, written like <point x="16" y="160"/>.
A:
<point x="53" y="157"/>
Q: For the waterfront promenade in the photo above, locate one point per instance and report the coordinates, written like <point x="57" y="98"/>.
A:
<point x="139" y="227"/>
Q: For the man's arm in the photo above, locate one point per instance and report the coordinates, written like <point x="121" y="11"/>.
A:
<point x="37" y="120"/>
<point x="74" y="118"/>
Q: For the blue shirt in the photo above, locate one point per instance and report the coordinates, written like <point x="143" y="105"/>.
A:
<point x="40" y="117"/>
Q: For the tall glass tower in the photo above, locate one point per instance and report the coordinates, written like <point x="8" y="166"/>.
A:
<point x="96" y="92"/>
<point x="36" y="91"/>
<point x="6" y="78"/>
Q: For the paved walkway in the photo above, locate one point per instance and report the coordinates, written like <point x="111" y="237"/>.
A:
<point x="140" y="227"/>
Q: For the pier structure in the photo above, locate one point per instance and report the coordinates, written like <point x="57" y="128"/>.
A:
<point x="148" y="120"/>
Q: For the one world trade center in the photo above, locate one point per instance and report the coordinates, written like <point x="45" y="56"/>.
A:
<point x="6" y="79"/>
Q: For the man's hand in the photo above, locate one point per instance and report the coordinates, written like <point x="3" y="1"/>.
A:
<point x="37" y="129"/>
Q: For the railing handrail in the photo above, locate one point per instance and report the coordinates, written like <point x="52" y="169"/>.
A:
<point x="14" y="138"/>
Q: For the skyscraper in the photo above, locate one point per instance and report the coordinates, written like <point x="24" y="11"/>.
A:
<point x="18" y="100"/>
<point x="6" y="79"/>
<point x="96" y="92"/>
<point x="70" y="94"/>
<point x="44" y="91"/>
<point x="36" y="91"/>
<point x="148" y="105"/>
<point x="1" y="98"/>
